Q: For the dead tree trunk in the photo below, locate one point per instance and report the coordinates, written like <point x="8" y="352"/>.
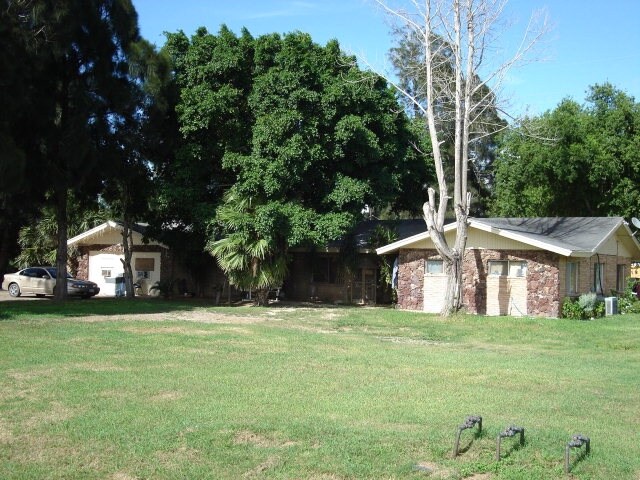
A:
<point x="456" y="37"/>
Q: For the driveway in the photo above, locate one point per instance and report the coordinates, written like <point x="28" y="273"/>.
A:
<point x="4" y="296"/>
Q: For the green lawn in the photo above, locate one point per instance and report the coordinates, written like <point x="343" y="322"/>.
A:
<point x="124" y="390"/>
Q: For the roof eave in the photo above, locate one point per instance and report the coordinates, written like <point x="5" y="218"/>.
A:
<point x="611" y="232"/>
<point x="521" y="238"/>
<point x="91" y="232"/>
<point x="397" y="245"/>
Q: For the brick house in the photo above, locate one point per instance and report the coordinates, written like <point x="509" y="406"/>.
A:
<point x="519" y="266"/>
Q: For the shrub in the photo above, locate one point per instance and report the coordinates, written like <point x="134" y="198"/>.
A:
<point x="628" y="301"/>
<point x="589" y="303"/>
<point x="572" y="309"/>
<point x="587" y="306"/>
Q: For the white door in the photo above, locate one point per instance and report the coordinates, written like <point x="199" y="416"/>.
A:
<point x="104" y="268"/>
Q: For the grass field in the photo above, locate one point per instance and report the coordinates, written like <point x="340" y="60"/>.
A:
<point x="106" y="389"/>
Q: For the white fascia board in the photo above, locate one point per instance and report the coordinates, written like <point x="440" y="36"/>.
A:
<point x="407" y="242"/>
<point x="397" y="245"/>
<point x="92" y="232"/>
<point x="635" y="240"/>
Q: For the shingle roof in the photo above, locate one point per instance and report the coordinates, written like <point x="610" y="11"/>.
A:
<point x="582" y="234"/>
<point x="565" y="235"/>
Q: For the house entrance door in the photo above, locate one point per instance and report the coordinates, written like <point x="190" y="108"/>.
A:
<point x="364" y="286"/>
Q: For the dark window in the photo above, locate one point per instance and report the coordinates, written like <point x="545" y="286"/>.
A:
<point x="325" y="270"/>
<point x="598" y="278"/>
<point x="621" y="278"/>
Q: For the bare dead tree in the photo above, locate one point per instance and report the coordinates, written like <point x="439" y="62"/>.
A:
<point x="461" y="75"/>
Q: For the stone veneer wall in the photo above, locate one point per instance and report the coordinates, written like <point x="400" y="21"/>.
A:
<point x="411" y="278"/>
<point x="543" y="279"/>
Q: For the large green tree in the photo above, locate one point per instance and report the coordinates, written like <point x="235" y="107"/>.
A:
<point x="22" y="187"/>
<point x="575" y="160"/>
<point x="129" y="150"/>
<point x="295" y="127"/>
<point x="79" y="50"/>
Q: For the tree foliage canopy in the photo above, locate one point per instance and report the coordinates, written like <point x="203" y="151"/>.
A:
<point x="293" y="127"/>
<point x="575" y="160"/>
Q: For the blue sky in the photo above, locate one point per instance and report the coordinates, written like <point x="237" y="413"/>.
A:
<point x="592" y="41"/>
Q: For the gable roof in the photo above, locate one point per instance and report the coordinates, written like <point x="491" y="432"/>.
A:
<point x="98" y="231"/>
<point x="567" y="236"/>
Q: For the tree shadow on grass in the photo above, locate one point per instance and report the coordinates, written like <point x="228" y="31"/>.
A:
<point x="470" y="440"/>
<point x="72" y="307"/>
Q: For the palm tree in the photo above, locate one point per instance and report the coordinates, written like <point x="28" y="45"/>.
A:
<point x="39" y="240"/>
<point x="250" y="260"/>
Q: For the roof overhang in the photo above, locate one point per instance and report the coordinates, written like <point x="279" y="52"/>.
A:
<point x="531" y="240"/>
<point x="410" y="242"/>
<point x="101" y="229"/>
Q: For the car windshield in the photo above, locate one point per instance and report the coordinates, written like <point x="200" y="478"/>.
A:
<point x="54" y="272"/>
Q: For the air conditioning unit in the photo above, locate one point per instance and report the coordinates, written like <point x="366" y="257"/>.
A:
<point x="611" y="306"/>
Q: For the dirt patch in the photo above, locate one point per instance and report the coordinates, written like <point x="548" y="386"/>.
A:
<point x="434" y="470"/>
<point x="98" y="367"/>
<point x="167" y="330"/>
<point x="166" y="396"/>
<point x="412" y="341"/>
<point x="32" y="374"/>
<point x="246" y="437"/>
<point x="6" y="435"/>
<point x="123" y="476"/>
<point x="56" y="413"/>
<point x="266" y="465"/>
<point x="198" y="316"/>
<point x="182" y="454"/>
<point x="184" y="330"/>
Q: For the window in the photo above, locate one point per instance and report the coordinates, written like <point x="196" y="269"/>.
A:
<point x="621" y="278"/>
<point x="106" y="272"/>
<point x="144" y="267"/>
<point x="498" y="267"/>
<point x="572" y="278"/>
<point x="507" y="267"/>
<point x="598" y="277"/>
<point x="145" y="264"/>
<point x="434" y="266"/>
<point x="325" y="270"/>
<point x="517" y="269"/>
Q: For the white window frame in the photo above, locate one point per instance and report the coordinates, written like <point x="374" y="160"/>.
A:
<point x="573" y="277"/>
<point x="508" y="267"/>
<point x="433" y="262"/>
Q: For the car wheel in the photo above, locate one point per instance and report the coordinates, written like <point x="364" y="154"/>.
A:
<point x="14" y="290"/>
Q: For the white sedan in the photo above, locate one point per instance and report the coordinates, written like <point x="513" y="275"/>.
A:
<point x="41" y="281"/>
